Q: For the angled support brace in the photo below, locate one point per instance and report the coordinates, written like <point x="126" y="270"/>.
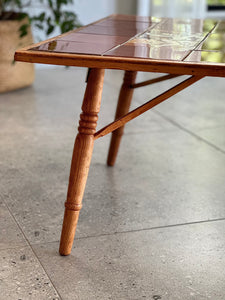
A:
<point x="154" y="80"/>
<point x="145" y="107"/>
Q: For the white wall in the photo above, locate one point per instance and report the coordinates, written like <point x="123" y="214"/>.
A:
<point x="91" y="10"/>
<point x="126" y="6"/>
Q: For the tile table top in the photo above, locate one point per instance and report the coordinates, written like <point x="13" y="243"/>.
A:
<point x="183" y="46"/>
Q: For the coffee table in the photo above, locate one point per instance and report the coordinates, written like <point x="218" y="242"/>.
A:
<point x="130" y="43"/>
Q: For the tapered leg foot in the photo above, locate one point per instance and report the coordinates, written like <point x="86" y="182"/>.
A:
<point x="124" y="101"/>
<point x="81" y="159"/>
<point x="68" y="231"/>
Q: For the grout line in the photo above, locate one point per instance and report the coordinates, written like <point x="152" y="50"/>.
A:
<point x="201" y="42"/>
<point x="189" y="131"/>
<point x="29" y="244"/>
<point x="145" y="131"/>
<point x="130" y="39"/>
<point x="163" y="130"/>
<point x="139" y="230"/>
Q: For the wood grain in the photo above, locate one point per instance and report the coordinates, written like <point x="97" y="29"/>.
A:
<point x="81" y="159"/>
<point x="122" y="63"/>
<point x="123" y="105"/>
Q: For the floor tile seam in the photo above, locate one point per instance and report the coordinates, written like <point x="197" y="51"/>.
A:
<point x="136" y="230"/>
<point x="211" y="128"/>
<point x="162" y="130"/>
<point x="198" y="137"/>
<point x="150" y="131"/>
<point x="155" y="111"/>
<point x="158" y="227"/>
<point x="11" y="214"/>
<point x="29" y="245"/>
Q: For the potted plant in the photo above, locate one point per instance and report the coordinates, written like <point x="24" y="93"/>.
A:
<point x="16" y="21"/>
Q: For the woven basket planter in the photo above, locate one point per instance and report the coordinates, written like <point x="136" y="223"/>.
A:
<point x="13" y="75"/>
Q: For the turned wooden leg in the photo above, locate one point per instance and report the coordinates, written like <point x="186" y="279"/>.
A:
<point x="81" y="158"/>
<point x="124" y="101"/>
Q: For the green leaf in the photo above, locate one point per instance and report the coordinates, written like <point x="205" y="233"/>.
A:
<point x="56" y="15"/>
<point x="39" y="26"/>
<point x="42" y="16"/>
<point x="50" y="29"/>
<point x="22" y="16"/>
<point x="53" y="14"/>
<point x="18" y="3"/>
<point x="50" y="3"/>
<point x="66" y="26"/>
<point x="23" y="29"/>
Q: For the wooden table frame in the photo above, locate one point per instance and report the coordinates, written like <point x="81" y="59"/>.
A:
<point x="84" y="142"/>
<point x="87" y="134"/>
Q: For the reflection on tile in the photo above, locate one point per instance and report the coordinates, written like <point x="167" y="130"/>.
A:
<point x="131" y="50"/>
<point x="185" y="26"/>
<point x="215" y="41"/>
<point x="209" y="25"/>
<point x="177" y="41"/>
<point x="220" y="28"/>
<point x="116" y="30"/>
<point x="126" y="25"/>
<point x="206" y="56"/>
<point x="135" y="18"/>
<point x="22" y="276"/>
<point x="148" y="51"/>
<point x="182" y="34"/>
<point x="94" y="38"/>
<point x="75" y="47"/>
